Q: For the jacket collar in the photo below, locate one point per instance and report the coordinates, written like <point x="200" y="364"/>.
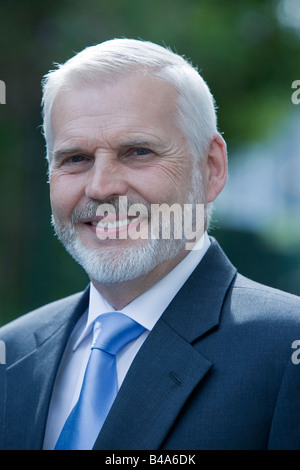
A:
<point x="197" y="307"/>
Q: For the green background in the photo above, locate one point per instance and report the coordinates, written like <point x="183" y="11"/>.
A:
<point x="248" y="52"/>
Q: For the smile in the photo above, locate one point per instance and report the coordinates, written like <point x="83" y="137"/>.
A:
<point x="104" y="224"/>
<point x="114" y="225"/>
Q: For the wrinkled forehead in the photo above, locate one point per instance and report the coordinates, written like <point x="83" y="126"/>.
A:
<point x="136" y="97"/>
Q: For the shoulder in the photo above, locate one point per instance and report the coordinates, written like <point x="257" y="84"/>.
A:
<point x="263" y="297"/>
<point x="248" y="301"/>
<point x="20" y="333"/>
<point x="270" y="311"/>
<point x="37" y="317"/>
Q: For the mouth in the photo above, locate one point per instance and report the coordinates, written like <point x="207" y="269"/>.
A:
<point x="112" y="225"/>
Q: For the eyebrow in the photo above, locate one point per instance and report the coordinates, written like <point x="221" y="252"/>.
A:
<point x="61" y="153"/>
<point x="140" y="143"/>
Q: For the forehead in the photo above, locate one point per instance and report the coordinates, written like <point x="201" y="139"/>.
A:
<point x="136" y="104"/>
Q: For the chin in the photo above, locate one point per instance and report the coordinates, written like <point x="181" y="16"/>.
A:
<point x="112" y="264"/>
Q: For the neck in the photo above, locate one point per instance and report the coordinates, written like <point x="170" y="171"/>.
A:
<point x="120" y="294"/>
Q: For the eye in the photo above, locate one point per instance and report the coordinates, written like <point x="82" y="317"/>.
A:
<point x="76" y="159"/>
<point x="141" y="152"/>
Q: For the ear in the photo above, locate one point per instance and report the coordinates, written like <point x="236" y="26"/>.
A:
<point x="216" y="168"/>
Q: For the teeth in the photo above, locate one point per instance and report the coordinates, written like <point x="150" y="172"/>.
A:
<point x="116" y="224"/>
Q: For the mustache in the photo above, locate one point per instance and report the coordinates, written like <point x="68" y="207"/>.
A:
<point x="88" y="210"/>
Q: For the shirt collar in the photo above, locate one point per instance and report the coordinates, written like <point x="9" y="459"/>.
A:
<point x="149" y="306"/>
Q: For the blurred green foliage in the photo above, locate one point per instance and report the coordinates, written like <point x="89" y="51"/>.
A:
<point x="247" y="57"/>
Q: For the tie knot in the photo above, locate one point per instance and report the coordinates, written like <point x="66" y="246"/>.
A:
<point x="112" y="331"/>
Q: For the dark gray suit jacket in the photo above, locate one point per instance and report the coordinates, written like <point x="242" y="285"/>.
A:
<point x="214" y="373"/>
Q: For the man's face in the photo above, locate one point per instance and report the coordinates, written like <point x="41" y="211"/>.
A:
<point x="117" y="140"/>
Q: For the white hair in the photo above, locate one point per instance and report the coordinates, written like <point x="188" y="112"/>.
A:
<point x="115" y="58"/>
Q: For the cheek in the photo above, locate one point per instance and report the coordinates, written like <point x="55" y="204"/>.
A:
<point x="64" y="196"/>
<point x="164" y="183"/>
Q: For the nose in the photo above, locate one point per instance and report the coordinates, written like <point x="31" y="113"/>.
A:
<point x="106" y="178"/>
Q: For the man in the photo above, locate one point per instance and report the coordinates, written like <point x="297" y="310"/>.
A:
<point x="128" y="122"/>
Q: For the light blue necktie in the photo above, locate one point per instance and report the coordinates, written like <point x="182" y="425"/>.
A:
<point x="112" y="331"/>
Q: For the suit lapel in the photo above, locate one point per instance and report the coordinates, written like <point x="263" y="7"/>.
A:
<point x="168" y="368"/>
<point x="156" y="387"/>
<point x="40" y="366"/>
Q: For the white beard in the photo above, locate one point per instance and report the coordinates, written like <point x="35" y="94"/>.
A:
<point x="109" y="264"/>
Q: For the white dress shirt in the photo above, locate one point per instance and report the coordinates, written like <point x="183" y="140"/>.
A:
<point x="145" y="309"/>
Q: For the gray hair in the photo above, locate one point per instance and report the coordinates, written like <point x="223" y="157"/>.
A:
<point x="115" y="58"/>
